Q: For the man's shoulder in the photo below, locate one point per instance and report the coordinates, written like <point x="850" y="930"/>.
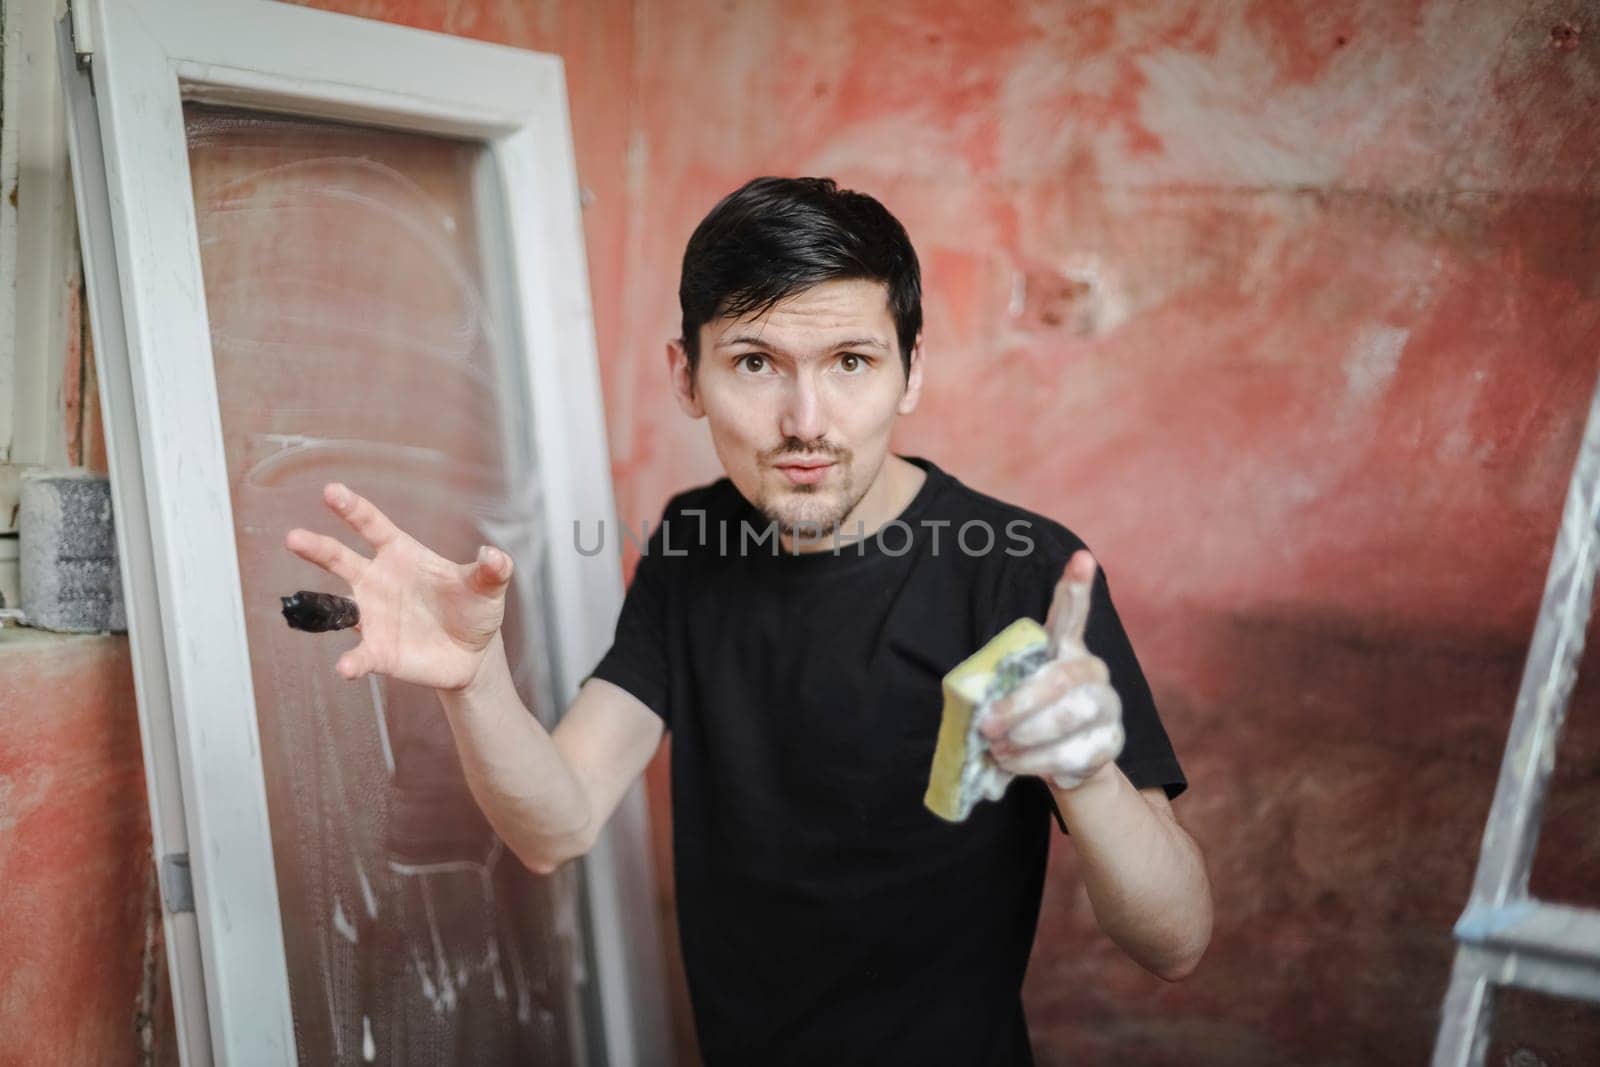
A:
<point x="1036" y="536"/>
<point x="696" y="519"/>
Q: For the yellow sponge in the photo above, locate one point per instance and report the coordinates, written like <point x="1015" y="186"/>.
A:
<point x="962" y="772"/>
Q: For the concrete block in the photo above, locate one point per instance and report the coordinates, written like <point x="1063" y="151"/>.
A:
<point x="70" y="579"/>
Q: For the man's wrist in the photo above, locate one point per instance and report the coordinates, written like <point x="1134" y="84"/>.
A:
<point x="1103" y="782"/>
<point x="483" y="679"/>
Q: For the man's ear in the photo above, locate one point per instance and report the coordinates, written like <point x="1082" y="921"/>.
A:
<point x="908" y="399"/>
<point x="683" y="380"/>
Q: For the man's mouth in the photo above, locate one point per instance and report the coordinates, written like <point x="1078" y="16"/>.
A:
<point x="805" y="471"/>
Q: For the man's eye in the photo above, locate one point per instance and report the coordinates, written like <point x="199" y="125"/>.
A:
<point x="759" y="362"/>
<point x="852" y="363"/>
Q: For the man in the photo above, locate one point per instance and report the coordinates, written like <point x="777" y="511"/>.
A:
<point x="790" y="624"/>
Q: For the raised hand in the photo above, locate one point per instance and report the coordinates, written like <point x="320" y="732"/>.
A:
<point x="424" y="619"/>
<point x="1064" y="722"/>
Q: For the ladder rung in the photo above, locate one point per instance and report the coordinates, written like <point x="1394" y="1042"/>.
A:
<point x="1547" y="948"/>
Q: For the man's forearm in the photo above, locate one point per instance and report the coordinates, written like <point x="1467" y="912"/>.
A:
<point x="515" y="771"/>
<point x="1145" y="876"/>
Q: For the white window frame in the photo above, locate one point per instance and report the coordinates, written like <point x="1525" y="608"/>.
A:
<point x="38" y="264"/>
<point x="136" y="62"/>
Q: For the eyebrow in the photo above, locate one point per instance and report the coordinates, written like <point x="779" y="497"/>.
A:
<point x="759" y="342"/>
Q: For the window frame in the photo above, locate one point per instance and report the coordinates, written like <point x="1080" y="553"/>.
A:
<point x="129" y="65"/>
<point x="39" y="268"/>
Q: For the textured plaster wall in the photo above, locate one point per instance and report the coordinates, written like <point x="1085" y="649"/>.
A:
<point x="1288" y="308"/>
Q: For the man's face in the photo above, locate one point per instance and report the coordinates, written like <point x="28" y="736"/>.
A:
<point x="801" y="400"/>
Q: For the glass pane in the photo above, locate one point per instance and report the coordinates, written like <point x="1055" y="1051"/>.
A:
<point x="359" y="335"/>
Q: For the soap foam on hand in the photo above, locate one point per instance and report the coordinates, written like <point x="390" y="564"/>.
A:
<point x="963" y="772"/>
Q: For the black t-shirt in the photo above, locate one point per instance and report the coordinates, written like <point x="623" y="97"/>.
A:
<point x="826" y="915"/>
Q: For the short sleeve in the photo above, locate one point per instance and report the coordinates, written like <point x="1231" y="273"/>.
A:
<point x="1147" y="758"/>
<point x="638" y="659"/>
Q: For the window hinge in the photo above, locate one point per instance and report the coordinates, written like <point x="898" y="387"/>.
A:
<point x="177" y="888"/>
<point x="82" y="33"/>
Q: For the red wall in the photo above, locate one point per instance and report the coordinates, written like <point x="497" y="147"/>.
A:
<point x="83" y="975"/>
<point x="1290" y="310"/>
<point x="84" y="978"/>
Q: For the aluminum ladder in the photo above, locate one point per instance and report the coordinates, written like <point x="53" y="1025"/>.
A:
<point x="1506" y="937"/>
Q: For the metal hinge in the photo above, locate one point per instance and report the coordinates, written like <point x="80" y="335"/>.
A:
<point x="177" y="888"/>
<point x="82" y="34"/>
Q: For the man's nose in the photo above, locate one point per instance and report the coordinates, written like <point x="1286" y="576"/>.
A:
<point x="803" y="415"/>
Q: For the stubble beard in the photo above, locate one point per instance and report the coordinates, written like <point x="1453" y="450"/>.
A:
<point x="803" y="512"/>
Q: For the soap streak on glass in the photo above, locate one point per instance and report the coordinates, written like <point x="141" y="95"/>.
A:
<point x="355" y="329"/>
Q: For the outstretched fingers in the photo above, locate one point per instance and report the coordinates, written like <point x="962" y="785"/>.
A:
<point x="355" y="663"/>
<point x="489" y="573"/>
<point x="329" y="553"/>
<point x="362" y="515"/>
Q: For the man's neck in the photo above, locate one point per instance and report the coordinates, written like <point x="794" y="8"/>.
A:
<point x="897" y="484"/>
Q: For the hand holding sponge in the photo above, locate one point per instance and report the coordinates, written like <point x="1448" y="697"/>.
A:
<point x="1037" y="695"/>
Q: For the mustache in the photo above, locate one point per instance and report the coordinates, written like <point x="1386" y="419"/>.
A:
<point x="797" y="450"/>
